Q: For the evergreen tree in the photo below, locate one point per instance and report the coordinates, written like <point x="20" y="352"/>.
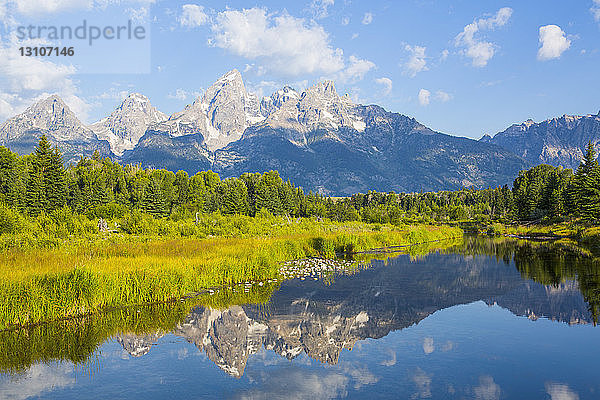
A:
<point x="154" y="202"/>
<point x="55" y="181"/>
<point x="587" y="185"/>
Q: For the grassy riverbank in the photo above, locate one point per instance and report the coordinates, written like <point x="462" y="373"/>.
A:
<point x="584" y="233"/>
<point x="87" y="274"/>
<point x="77" y="340"/>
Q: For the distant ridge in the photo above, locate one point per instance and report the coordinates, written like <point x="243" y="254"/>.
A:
<point x="317" y="138"/>
<point x="556" y="141"/>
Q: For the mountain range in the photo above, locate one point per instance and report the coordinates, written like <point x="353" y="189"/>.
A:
<point x="316" y="138"/>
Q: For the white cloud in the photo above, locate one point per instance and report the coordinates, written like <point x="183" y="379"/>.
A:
<point x="553" y="42"/>
<point x="448" y="346"/>
<point x="181" y="94"/>
<point x="424" y="97"/>
<point x="386" y="83"/>
<point x="478" y="50"/>
<point x="558" y="391"/>
<point x="428" y="346"/>
<point x="320" y="8"/>
<point x="442" y="96"/>
<point x="417" y="61"/>
<point x="391" y="361"/>
<point x="284" y="44"/>
<point x="113" y="94"/>
<point x="25" y="80"/>
<point x="445" y="54"/>
<point x="345" y="21"/>
<point x="42" y="7"/>
<point x="422" y="381"/>
<point x="359" y="374"/>
<point x="193" y="15"/>
<point x="38" y="379"/>
<point x="356" y="70"/>
<point x="354" y="36"/>
<point x="595" y="10"/>
<point x="138" y="14"/>
<point x="487" y="389"/>
<point x="296" y="384"/>
<point x="3" y="10"/>
<point x="368" y="18"/>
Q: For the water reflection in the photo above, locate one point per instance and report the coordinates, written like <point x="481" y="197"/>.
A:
<point x="318" y="319"/>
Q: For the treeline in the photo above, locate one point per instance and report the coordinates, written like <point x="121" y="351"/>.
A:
<point x="39" y="184"/>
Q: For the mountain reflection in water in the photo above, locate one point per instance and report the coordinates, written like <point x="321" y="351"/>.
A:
<point x="319" y="320"/>
<point x="308" y="320"/>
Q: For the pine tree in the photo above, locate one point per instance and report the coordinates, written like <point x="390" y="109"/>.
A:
<point x="154" y="201"/>
<point x="587" y="185"/>
<point x="55" y="181"/>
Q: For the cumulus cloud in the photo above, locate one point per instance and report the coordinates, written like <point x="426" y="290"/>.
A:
<point x="424" y="97"/>
<point x="553" y="42"/>
<point x="182" y="94"/>
<point x="442" y="96"/>
<point x="356" y="70"/>
<point x="138" y="14"/>
<point x="43" y="7"/>
<point x="428" y="346"/>
<point x="559" y="391"/>
<point x="445" y="54"/>
<point x="487" y="389"/>
<point x="448" y="346"/>
<point x="25" y="80"/>
<point x="367" y="18"/>
<point x="38" y="379"/>
<point x="391" y="361"/>
<point x="113" y="94"/>
<point x="595" y="10"/>
<point x="386" y="83"/>
<point x="284" y="44"/>
<point x="422" y="381"/>
<point x="297" y="384"/>
<point x="417" y="61"/>
<point x="360" y="375"/>
<point x="477" y="49"/>
<point x="320" y="8"/>
<point x="193" y="15"/>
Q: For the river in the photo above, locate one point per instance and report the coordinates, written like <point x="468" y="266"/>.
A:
<point x="484" y="319"/>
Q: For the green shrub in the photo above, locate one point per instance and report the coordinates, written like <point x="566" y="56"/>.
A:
<point x="11" y="221"/>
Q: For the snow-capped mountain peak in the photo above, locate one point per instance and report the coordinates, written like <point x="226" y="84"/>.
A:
<point x="221" y="115"/>
<point x="124" y="127"/>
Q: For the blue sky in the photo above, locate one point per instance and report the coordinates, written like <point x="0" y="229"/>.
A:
<point x="461" y="67"/>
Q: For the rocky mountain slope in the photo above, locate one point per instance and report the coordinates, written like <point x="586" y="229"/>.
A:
<point x="220" y="116"/>
<point x="318" y="139"/>
<point x="124" y="127"/>
<point x="557" y="141"/>
<point x="53" y="118"/>
<point x="323" y="142"/>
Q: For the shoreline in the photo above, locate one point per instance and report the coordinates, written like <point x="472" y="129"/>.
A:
<point x="163" y="271"/>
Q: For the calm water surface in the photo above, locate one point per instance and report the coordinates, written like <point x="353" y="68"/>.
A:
<point x="486" y="319"/>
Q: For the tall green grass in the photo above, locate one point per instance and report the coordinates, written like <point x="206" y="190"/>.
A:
<point x="77" y="340"/>
<point x="45" y="284"/>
